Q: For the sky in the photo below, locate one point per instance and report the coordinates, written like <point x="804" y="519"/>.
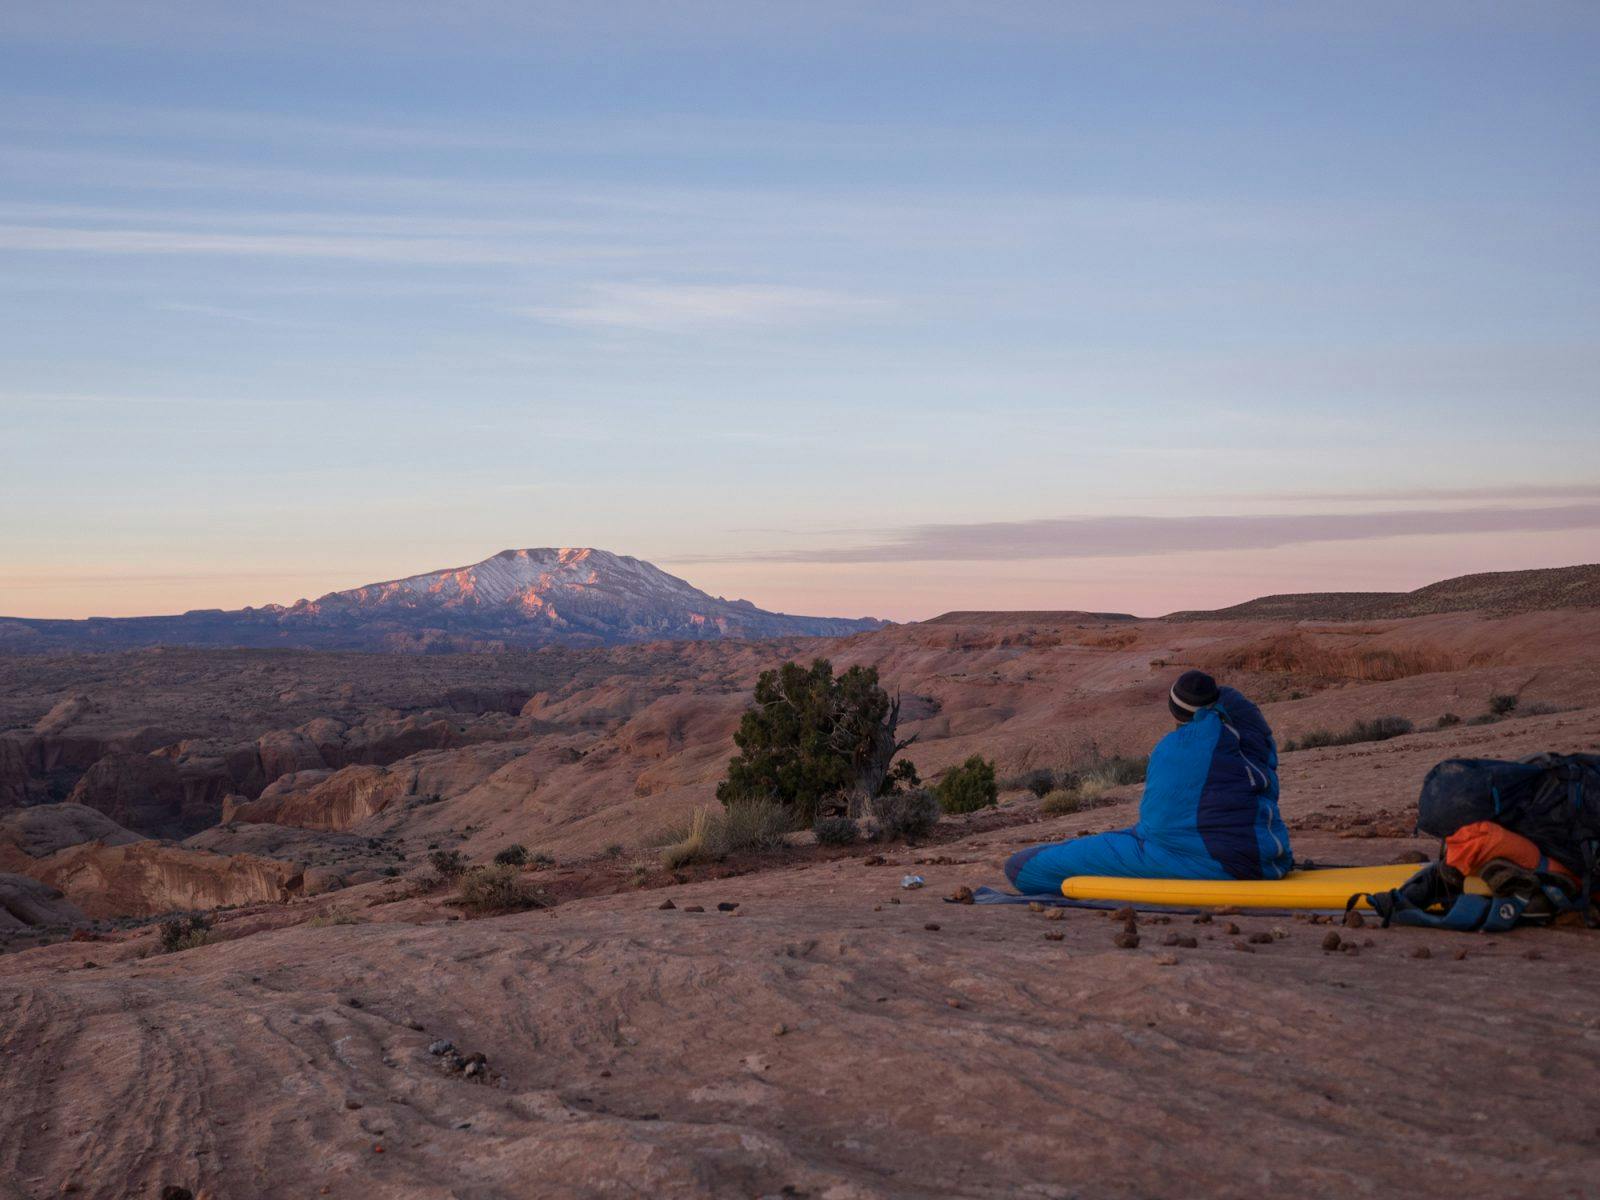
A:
<point x="844" y="308"/>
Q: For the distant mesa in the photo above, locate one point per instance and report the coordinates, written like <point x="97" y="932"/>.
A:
<point x="1500" y="592"/>
<point x="518" y="599"/>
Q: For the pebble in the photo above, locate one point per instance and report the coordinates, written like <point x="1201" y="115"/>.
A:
<point x="1035" y="906"/>
<point x="352" y="1105"/>
<point x="727" y="906"/>
<point x="1330" y="940"/>
<point x="1245" y="946"/>
<point x="779" y="1029"/>
<point x="1461" y="954"/>
<point x="952" y="1002"/>
<point x="1260" y="939"/>
<point x="1231" y="929"/>
<point x="354" y="1002"/>
<point x="1166" y="960"/>
<point x="1354" y="920"/>
<point x="441" y="1047"/>
<point x="962" y="895"/>
<point x="1128" y="939"/>
<point x="1421" y="952"/>
<point x="1054" y="935"/>
<point x="1125" y="913"/>
<point x="1350" y="948"/>
<point x="1279" y="933"/>
<point x="932" y="927"/>
<point x="1056" y="914"/>
<point x="1186" y="940"/>
<point x="665" y="905"/>
<point x="694" y="908"/>
<point x="1203" y="919"/>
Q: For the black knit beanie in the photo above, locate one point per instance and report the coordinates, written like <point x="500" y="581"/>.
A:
<point x="1193" y="691"/>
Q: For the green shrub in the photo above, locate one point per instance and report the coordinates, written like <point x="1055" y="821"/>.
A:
<point x="1041" y="781"/>
<point x="185" y="932"/>
<point x="835" y="831"/>
<point x="496" y="889"/>
<point x="1502" y="704"/>
<point x="908" y="815"/>
<point x="449" y="863"/>
<point x="515" y="855"/>
<point x="809" y="737"/>
<point x="969" y="787"/>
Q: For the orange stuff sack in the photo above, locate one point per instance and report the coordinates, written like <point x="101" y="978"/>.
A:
<point x="1469" y="847"/>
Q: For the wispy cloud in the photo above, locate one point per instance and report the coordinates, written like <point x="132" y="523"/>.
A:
<point x="682" y="307"/>
<point x="1122" y="536"/>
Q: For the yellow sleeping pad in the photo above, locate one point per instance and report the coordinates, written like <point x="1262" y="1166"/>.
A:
<point x="1330" y="888"/>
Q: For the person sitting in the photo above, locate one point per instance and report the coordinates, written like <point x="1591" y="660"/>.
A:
<point x="1209" y="810"/>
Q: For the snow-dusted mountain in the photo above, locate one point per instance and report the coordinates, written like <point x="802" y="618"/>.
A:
<point x="518" y="598"/>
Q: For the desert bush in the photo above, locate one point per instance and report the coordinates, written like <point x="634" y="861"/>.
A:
<point x="514" y="855"/>
<point x="1115" y="771"/>
<point x="494" y="889"/>
<point x="750" y="825"/>
<point x="1062" y="801"/>
<point x="448" y="863"/>
<point x="1375" y="729"/>
<point x="809" y="737"/>
<point x="1540" y="708"/>
<point x="835" y="831"/>
<point x="908" y="815"/>
<point x="1447" y="720"/>
<point x="969" y="787"/>
<point x="184" y="932"/>
<point x="1041" y="781"/>
<point x="1503" y="704"/>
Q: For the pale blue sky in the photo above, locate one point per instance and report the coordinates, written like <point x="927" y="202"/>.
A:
<point x="292" y="299"/>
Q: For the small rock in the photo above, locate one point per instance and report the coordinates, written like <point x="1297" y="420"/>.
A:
<point x="173" y="1192"/>
<point x="1410" y="856"/>
<point x="1245" y="946"/>
<point x="1354" y="920"/>
<point x="1260" y="939"/>
<point x="414" y="1025"/>
<point x="1461" y="954"/>
<point x="1126" y="914"/>
<point x="932" y="927"/>
<point x="1056" y="914"/>
<point x="727" y="906"/>
<point x="1330" y="940"/>
<point x="694" y="908"/>
<point x="1166" y="960"/>
<point x="1203" y="919"/>
<point x="1231" y="929"/>
<point x="377" y="1147"/>
<point x="1421" y="952"/>
<point x="1279" y="933"/>
<point x="665" y="905"/>
<point x="1350" y="948"/>
<point x="874" y="860"/>
<point x="779" y="1029"/>
<point x="894" y="899"/>
<point x="354" y="1002"/>
<point x="962" y="895"/>
<point x="952" y="1002"/>
<point x="1054" y="935"/>
<point x="1128" y="939"/>
<point x="441" y="1047"/>
<point x="1186" y="941"/>
<point x="352" y="1105"/>
<point x="1035" y="907"/>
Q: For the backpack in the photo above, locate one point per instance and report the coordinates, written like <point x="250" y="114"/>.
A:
<point x="1553" y="800"/>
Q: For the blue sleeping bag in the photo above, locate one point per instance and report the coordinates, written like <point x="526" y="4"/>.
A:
<point x="1209" y="811"/>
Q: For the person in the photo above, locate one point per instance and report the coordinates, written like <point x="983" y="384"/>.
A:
<point x="1209" y="810"/>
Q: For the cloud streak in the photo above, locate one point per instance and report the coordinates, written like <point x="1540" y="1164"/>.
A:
<point x="1127" y="536"/>
<point x="671" y="308"/>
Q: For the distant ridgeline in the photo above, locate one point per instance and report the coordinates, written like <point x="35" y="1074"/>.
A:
<point x="519" y="599"/>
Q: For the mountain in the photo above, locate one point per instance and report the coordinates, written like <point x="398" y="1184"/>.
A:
<point x="1493" y="591"/>
<point x="520" y="599"/>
